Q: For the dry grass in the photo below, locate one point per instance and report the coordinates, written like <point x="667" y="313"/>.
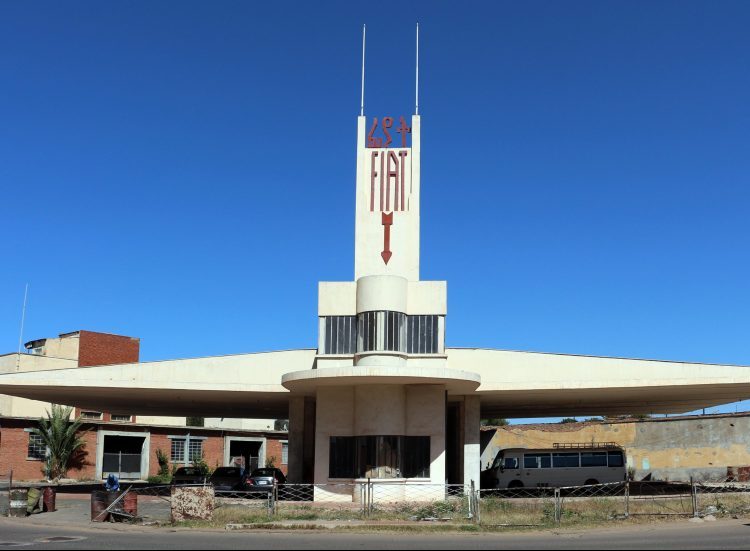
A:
<point x="496" y="513"/>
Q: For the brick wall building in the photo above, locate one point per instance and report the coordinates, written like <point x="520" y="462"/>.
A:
<point x="133" y="448"/>
<point x="117" y="442"/>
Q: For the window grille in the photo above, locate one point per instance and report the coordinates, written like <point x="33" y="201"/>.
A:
<point x="284" y="453"/>
<point x="178" y="450"/>
<point x="37" y="448"/>
<point x="195" y="449"/>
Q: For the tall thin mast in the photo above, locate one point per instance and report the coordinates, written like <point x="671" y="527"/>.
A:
<point x="362" y="100"/>
<point x="416" y="88"/>
<point x="20" y="335"/>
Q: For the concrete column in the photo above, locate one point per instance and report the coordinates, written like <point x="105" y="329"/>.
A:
<point x="308" y="450"/>
<point x="301" y="439"/>
<point x="296" y="438"/>
<point x="470" y="427"/>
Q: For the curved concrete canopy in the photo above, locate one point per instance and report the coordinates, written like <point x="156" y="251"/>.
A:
<point x="456" y="382"/>
<point x="513" y="384"/>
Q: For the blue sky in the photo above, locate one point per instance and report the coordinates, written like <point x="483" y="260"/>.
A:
<point x="184" y="172"/>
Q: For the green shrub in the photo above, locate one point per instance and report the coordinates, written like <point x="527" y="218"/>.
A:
<point x="159" y="479"/>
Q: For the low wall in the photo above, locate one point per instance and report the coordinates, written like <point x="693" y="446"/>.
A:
<point x="673" y="448"/>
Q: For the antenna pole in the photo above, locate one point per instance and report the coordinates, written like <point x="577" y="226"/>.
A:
<point x="362" y="100"/>
<point x="23" y="318"/>
<point x="416" y="88"/>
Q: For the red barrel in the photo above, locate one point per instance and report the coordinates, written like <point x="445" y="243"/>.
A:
<point x="48" y="499"/>
<point x="99" y="506"/>
<point x="130" y="503"/>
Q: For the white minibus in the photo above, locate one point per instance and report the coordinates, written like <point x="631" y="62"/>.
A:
<point x="562" y="465"/>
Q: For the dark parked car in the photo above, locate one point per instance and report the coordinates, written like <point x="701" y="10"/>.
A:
<point x="188" y="475"/>
<point x="228" y="479"/>
<point x="262" y="479"/>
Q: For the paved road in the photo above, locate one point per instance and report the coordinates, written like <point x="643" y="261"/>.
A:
<point x="14" y="534"/>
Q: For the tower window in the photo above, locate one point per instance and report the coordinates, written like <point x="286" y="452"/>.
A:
<point x="383" y="330"/>
<point x="340" y="335"/>
<point x="423" y="335"/>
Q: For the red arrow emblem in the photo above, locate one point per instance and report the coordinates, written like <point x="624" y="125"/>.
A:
<point x="387" y="222"/>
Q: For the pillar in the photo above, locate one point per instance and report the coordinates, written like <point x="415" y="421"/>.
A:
<point x="470" y="425"/>
<point x="301" y="439"/>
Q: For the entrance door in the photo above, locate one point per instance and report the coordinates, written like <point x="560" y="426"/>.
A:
<point x="244" y="454"/>
<point x="123" y="456"/>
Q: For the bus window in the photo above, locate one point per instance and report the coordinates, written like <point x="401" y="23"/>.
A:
<point x="565" y="460"/>
<point x="537" y="461"/>
<point x="593" y="459"/>
<point x="510" y="463"/>
<point x="615" y="459"/>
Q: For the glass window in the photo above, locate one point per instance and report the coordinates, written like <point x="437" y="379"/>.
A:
<point x="381" y="331"/>
<point x="510" y="463"/>
<point x="37" y="449"/>
<point x="422" y="335"/>
<point x="537" y="461"/>
<point x="178" y="450"/>
<point x="366" y="331"/>
<point x="341" y="459"/>
<point x="195" y="449"/>
<point x="416" y="457"/>
<point x="284" y="453"/>
<point x="340" y="335"/>
<point x="616" y="459"/>
<point x="379" y="457"/>
<point x="565" y="459"/>
<point x="593" y="459"/>
<point x="121" y="418"/>
<point x="91" y="415"/>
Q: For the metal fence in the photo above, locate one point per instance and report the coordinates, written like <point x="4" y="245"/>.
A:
<point x="400" y="501"/>
<point x="517" y="506"/>
<point x="366" y="500"/>
<point x="607" y="502"/>
<point x="418" y="502"/>
<point x="722" y="497"/>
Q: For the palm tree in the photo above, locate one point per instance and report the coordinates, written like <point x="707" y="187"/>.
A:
<point x="60" y="435"/>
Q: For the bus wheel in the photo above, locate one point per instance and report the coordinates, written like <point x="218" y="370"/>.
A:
<point x="515" y="484"/>
<point x="591" y="482"/>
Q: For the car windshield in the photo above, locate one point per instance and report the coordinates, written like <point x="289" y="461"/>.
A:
<point x="263" y="472"/>
<point x="187" y="471"/>
<point x="227" y="471"/>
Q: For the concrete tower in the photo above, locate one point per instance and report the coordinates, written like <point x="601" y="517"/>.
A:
<point x="380" y="386"/>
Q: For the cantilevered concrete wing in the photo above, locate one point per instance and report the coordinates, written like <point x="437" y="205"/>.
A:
<point x="531" y="384"/>
<point x="513" y="384"/>
<point x="241" y="385"/>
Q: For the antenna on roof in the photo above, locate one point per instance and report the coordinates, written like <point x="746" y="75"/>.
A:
<point x="20" y="336"/>
<point x="362" y="101"/>
<point x="416" y="86"/>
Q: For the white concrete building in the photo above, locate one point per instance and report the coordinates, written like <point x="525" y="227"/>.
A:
<point x="381" y="396"/>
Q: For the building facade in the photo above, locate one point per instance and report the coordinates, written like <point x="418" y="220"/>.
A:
<point x="382" y="397"/>
<point x="130" y="450"/>
<point x="121" y="442"/>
